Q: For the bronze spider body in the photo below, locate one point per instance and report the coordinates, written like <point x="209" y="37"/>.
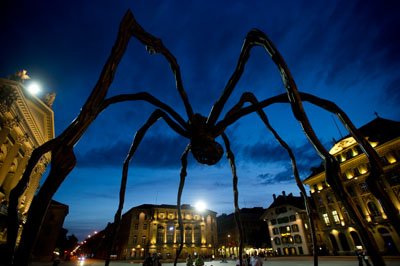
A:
<point x="201" y="131"/>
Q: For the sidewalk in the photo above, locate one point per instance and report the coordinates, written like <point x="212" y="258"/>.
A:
<point x="272" y="261"/>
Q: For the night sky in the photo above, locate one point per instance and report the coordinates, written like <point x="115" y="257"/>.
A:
<point x="343" y="51"/>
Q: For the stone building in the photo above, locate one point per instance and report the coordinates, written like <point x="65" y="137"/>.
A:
<point x="154" y="229"/>
<point x="50" y="231"/>
<point x="384" y="137"/>
<point x="289" y="226"/>
<point x="255" y="239"/>
<point x="26" y="122"/>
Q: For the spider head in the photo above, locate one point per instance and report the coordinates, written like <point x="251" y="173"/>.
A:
<point x="203" y="146"/>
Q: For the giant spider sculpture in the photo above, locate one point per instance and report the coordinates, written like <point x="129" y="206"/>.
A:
<point x="200" y="130"/>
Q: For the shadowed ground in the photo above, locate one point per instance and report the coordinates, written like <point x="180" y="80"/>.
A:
<point x="272" y="261"/>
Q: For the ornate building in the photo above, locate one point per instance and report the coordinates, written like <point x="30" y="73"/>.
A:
<point x="384" y="136"/>
<point x="26" y="122"/>
<point x="154" y="229"/>
<point x="289" y="226"/>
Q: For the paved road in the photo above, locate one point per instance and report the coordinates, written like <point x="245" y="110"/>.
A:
<point x="291" y="261"/>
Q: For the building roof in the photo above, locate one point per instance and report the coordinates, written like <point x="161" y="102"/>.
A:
<point x="378" y="130"/>
<point x="296" y="201"/>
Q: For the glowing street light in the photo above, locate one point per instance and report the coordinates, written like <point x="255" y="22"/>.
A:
<point x="34" y="88"/>
<point x="200" y="206"/>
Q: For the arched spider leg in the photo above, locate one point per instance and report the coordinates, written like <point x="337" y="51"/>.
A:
<point x="178" y="201"/>
<point x="154" y="117"/>
<point x="249" y="97"/>
<point x="144" y="96"/>
<point x="155" y="45"/>
<point x="231" y="159"/>
<point x="332" y="178"/>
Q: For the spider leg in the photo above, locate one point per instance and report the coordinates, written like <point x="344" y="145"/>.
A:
<point x="155" y="45"/>
<point x="154" y="117"/>
<point x="144" y="96"/>
<point x="332" y="167"/>
<point x="180" y="190"/>
<point x="249" y="97"/>
<point x="231" y="158"/>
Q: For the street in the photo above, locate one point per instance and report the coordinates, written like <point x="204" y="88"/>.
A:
<point x="272" y="261"/>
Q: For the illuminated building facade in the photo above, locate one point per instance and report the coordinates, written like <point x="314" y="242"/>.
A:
<point x="26" y="122"/>
<point x="289" y="227"/>
<point x="154" y="229"/>
<point x="384" y="137"/>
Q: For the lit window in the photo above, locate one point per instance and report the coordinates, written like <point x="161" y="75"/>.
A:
<point x="295" y="228"/>
<point x="326" y="219"/>
<point x="336" y="217"/>
<point x="297" y="239"/>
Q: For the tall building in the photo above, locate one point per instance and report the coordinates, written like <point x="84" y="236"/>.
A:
<point x="154" y="229"/>
<point x="384" y="137"/>
<point x="289" y="226"/>
<point x="26" y="122"/>
<point x="255" y="238"/>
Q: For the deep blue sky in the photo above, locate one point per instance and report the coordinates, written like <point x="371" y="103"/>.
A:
<point x="344" y="51"/>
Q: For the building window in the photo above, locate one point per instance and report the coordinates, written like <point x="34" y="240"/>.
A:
<point x="288" y="230"/>
<point x="277" y="240"/>
<point x="284" y="240"/>
<point x="197" y="235"/>
<point x="295" y="228"/>
<point x="300" y="250"/>
<point x="275" y="230"/>
<point x="336" y="218"/>
<point x="373" y="209"/>
<point x="160" y="237"/>
<point x="292" y="218"/>
<point x="297" y="239"/>
<point x="143" y="240"/>
<point x="364" y="187"/>
<point x="188" y="235"/>
<point x="393" y="178"/>
<point x="329" y="198"/>
<point x="281" y="210"/>
<point x="136" y="226"/>
<point x="283" y="220"/>
<point x="144" y="226"/>
<point x="145" y="217"/>
<point x="282" y="229"/>
<point x="320" y="201"/>
<point x="290" y="239"/>
<point x="137" y="216"/>
<point x="134" y="240"/>
<point x="273" y="221"/>
<point x="326" y="219"/>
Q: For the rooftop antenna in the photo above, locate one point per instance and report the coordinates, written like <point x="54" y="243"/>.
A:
<point x="334" y="121"/>
<point x="377" y="116"/>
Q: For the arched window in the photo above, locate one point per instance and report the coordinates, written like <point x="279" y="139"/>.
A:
<point x="390" y="246"/>
<point x="343" y="241"/>
<point x="373" y="209"/>
<point x="356" y="238"/>
<point x="333" y="242"/>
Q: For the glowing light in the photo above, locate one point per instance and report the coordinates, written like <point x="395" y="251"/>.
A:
<point x="200" y="206"/>
<point x="34" y="88"/>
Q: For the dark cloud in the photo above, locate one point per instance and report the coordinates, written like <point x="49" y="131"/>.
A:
<point x="282" y="177"/>
<point x="153" y="151"/>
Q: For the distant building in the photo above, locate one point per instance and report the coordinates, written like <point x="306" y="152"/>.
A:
<point x="50" y="230"/>
<point x="26" y="122"/>
<point x="255" y="239"/>
<point x="154" y="229"/>
<point x="289" y="226"/>
<point x="343" y="238"/>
